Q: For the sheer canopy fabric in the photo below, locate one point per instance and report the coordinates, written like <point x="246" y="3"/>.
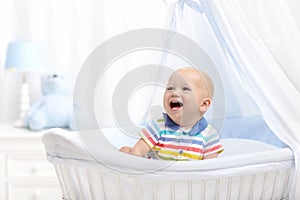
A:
<point x="265" y="45"/>
<point x="259" y="44"/>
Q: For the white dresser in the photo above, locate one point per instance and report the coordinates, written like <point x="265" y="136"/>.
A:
<point x="25" y="173"/>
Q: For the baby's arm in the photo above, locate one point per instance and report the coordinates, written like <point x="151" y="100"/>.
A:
<point x="141" y="148"/>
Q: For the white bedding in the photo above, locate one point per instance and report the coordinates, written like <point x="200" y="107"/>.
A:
<point x="97" y="148"/>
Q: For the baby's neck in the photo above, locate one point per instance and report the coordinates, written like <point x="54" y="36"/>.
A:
<point x="188" y="126"/>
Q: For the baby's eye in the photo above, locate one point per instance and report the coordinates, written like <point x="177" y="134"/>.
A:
<point x="186" y="89"/>
<point x="169" y="88"/>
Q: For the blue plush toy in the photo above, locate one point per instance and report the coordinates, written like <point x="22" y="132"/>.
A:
<point x="55" y="108"/>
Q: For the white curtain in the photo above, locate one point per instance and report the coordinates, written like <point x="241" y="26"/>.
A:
<point x="263" y="42"/>
<point x="241" y="111"/>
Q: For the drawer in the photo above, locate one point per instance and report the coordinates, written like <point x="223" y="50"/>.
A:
<point x="28" y="165"/>
<point x="33" y="191"/>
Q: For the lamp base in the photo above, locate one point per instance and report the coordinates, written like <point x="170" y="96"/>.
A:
<point x="24" y="104"/>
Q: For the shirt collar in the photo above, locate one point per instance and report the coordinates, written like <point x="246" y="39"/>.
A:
<point x="197" y="128"/>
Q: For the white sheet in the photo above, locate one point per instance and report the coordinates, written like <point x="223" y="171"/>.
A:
<point x="94" y="146"/>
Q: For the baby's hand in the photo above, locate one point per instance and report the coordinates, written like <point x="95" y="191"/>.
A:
<point x="140" y="149"/>
<point x="127" y="149"/>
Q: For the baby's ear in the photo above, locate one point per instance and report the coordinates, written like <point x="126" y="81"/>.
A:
<point x="204" y="105"/>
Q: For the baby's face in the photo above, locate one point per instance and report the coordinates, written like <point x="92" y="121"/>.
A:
<point x="182" y="98"/>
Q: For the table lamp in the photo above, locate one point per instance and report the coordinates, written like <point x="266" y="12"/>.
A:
<point x="23" y="57"/>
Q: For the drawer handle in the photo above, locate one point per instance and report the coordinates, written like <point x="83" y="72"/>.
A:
<point x="34" y="169"/>
<point x="36" y="195"/>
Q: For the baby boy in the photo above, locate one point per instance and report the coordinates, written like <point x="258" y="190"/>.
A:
<point x="182" y="133"/>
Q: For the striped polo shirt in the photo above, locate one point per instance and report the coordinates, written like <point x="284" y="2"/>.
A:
<point x="169" y="141"/>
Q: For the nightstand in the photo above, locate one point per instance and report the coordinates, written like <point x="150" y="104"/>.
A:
<point x="25" y="172"/>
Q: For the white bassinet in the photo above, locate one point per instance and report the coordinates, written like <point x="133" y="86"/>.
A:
<point x="89" y="167"/>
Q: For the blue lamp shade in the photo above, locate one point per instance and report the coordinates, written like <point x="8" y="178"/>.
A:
<point x="23" y="56"/>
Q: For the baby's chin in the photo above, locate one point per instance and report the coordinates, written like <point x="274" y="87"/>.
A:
<point x="179" y="117"/>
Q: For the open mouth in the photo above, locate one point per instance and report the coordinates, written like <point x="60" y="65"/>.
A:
<point x="175" y="105"/>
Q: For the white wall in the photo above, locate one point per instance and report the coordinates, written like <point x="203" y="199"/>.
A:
<point x="294" y="6"/>
<point x="68" y="32"/>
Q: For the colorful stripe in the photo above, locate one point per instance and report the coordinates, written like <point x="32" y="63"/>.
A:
<point x="178" y="145"/>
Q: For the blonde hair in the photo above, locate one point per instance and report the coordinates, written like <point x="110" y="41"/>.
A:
<point x="201" y="77"/>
